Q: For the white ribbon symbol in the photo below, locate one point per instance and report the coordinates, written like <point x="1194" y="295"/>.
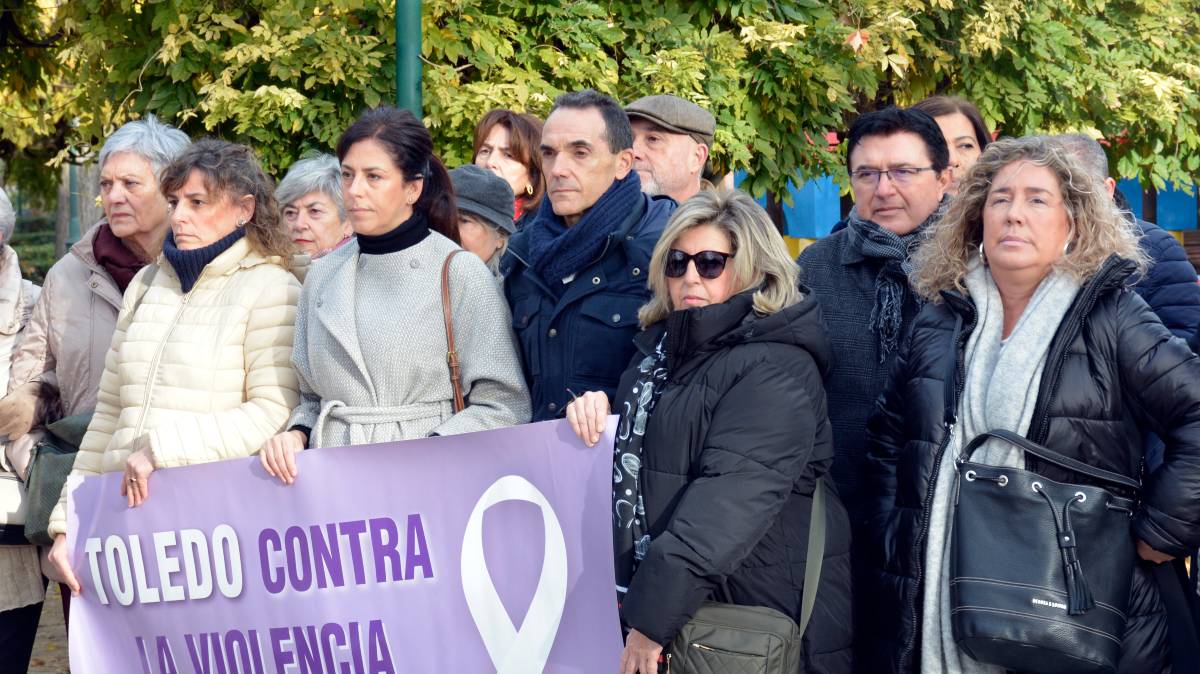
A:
<point x="526" y="650"/>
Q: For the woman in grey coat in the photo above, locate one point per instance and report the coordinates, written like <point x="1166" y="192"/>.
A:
<point x="371" y="344"/>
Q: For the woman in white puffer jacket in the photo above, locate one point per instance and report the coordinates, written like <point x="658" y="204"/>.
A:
<point x="220" y="300"/>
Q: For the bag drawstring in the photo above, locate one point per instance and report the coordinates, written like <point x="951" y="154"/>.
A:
<point x="1079" y="595"/>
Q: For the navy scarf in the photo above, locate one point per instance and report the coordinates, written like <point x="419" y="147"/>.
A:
<point x="189" y="264"/>
<point x="557" y="251"/>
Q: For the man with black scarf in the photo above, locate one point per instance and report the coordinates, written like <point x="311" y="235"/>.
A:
<point x="897" y="163"/>
<point x="575" y="276"/>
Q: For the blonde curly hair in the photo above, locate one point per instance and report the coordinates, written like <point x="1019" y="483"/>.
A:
<point x="1100" y="228"/>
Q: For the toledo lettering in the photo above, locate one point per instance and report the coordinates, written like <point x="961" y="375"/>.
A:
<point x="194" y="565"/>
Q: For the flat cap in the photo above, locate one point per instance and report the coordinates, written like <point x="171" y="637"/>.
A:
<point x="480" y="192"/>
<point x="676" y="115"/>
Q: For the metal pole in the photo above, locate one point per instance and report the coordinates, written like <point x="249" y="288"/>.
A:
<point x="408" y="55"/>
<point x="73" y="199"/>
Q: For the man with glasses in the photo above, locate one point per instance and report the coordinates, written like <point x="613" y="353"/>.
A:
<point x="859" y="274"/>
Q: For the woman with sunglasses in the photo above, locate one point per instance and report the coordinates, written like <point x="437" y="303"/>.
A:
<point x="723" y="438"/>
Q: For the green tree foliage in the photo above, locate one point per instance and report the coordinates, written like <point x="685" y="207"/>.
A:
<point x="290" y="75"/>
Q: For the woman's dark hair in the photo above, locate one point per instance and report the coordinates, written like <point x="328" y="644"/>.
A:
<point x="408" y="143"/>
<point x="231" y="171"/>
<point x="940" y="106"/>
<point x="524" y="141"/>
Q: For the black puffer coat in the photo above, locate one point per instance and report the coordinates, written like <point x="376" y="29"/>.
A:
<point x="733" y="450"/>
<point x="1112" y="371"/>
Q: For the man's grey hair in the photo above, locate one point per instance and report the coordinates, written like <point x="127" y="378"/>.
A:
<point x="149" y="139"/>
<point x="1086" y="150"/>
<point x="317" y="172"/>
<point x="8" y="218"/>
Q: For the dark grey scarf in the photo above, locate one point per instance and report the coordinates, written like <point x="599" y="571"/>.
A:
<point x="891" y="284"/>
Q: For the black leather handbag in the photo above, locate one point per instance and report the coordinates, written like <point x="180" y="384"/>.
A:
<point x="1040" y="569"/>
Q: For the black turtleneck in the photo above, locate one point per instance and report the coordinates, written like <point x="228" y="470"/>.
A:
<point x="406" y="234"/>
<point x="189" y="264"/>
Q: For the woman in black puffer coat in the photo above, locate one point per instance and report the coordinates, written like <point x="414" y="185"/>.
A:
<point x="1111" y="371"/>
<point x="724" y="436"/>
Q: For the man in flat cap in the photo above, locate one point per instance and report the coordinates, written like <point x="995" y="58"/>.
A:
<point x="671" y="141"/>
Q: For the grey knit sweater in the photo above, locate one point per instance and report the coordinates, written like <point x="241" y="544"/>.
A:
<point x="843" y="281"/>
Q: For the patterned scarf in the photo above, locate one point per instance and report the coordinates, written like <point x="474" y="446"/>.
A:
<point x="891" y="283"/>
<point x="557" y="251"/>
<point x="630" y="537"/>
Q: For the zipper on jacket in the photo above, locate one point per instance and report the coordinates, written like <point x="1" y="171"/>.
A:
<point x="1079" y="314"/>
<point x="153" y="372"/>
<point x="959" y="383"/>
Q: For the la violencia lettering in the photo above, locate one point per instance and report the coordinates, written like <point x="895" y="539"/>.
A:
<point x="332" y="648"/>
<point x="192" y="565"/>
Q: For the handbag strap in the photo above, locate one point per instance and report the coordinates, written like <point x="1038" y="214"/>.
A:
<point x="452" y="351"/>
<point x="1047" y="454"/>
<point x="1181" y="625"/>
<point x="815" y="555"/>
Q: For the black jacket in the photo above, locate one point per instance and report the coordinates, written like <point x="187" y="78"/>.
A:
<point x="1112" y="371"/>
<point x="733" y="450"/>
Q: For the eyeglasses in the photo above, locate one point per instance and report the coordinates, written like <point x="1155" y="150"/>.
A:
<point x="709" y="263"/>
<point x="898" y="176"/>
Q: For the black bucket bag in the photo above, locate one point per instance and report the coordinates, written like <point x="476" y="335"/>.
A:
<point x="1041" y="569"/>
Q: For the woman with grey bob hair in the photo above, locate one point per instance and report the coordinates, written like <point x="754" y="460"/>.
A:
<point x="1032" y="325"/>
<point x="21" y="584"/>
<point x="723" y="439"/>
<point x="56" y="368"/>
<point x="310" y="200"/>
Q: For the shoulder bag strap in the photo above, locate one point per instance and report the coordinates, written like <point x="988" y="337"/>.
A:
<point x="1047" y="454"/>
<point x="452" y="351"/>
<point x="815" y="556"/>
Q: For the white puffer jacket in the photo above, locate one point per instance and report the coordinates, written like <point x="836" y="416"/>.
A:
<point x="205" y="376"/>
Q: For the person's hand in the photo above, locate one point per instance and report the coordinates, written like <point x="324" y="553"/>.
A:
<point x="62" y="565"/>
<point x="18" y="409"/>
<point x="1150" y="554"/>
<point x="587" y="415"/>
<point x="278" y="455"/>
<point x="135" y="484"/>
<point x="641" y="654"/>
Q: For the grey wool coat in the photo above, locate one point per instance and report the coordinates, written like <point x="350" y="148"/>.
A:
<point x="370" y="347"/>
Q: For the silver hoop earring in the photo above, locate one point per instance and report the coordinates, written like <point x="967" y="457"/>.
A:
<point x="982" y="257"/>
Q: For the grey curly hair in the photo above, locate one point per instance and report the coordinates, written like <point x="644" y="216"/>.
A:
<point x="1100" y="229"/>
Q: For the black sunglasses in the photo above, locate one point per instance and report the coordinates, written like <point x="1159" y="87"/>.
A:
<point x="709" y="263"/>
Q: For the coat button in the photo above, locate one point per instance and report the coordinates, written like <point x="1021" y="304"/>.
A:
<point x="95" y="284"/>
<point x="616" y="318"/>
<point x="595" y="280"/>
<point x="415" y="264"/>
<point x="552" y="407"/>
<point x="553" y="333"/>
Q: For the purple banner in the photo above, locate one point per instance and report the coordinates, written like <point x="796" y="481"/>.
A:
<point x="488" y="552"/>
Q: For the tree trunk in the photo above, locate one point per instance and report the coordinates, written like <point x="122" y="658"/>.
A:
<point x="1150" y="204"/>
<point x="87" y="183"/>
<point x="62" y="219"/>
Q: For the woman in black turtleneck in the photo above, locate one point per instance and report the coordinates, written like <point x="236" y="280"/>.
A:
<point x="200" y="368"/>
<point x="370" y="336"/>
